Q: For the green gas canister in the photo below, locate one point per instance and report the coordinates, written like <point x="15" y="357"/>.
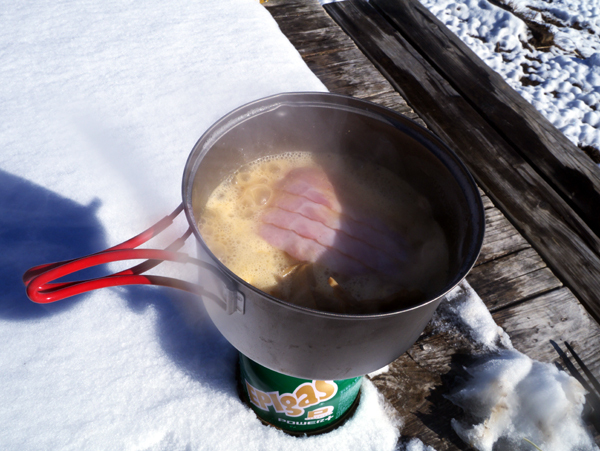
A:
<point x="297" y="406"/>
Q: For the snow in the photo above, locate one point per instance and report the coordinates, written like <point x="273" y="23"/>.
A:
<point x="102" y="101"/>
<point x="561" y="79"/>
<point x="510" y="398"/>
<point x="465" y="309"/>
<point x="518" y="400"/>
<point x="415" y="445"/>
<point x="382" y="370"/>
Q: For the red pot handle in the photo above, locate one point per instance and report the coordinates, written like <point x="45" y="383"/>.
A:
<point x="39" y="279"/>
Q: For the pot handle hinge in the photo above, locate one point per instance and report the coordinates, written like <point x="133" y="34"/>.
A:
<point x="236" y="302"/>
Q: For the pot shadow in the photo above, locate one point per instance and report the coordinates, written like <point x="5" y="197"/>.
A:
<point x="38" y="226"/>
<point x="188" y="336"/>
<point x="439" y="420"/>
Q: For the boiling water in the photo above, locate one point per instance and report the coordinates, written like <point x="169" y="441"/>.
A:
<point x="230" y="224"/>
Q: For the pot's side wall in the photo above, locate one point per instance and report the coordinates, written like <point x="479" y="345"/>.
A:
<point x="309" y="344"/>
<point x="312" y="345"/>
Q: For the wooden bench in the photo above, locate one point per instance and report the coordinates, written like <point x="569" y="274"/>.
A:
<point x="539" y="268"/>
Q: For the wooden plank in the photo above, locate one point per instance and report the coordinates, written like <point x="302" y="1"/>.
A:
<point x="284" y="10"/>
<point x="417" y="381"/>
<point x="546" y="220"/>
<point x="350" y="77"/>
<point x="391" y="99"/>
<point x="512" y="279"/>
<point x="437" y="361"/>
<point x="291" y="27"/>
<point x="308" y="28"/>
<point x="320" y="41"/>
<point x="425" y="412"/>
<point x="487" y="203"/>
<point x="573" y="174"/>
<point x="333" y="56"/>
<point x="501" y="237"/>
<point x="555" y="316"/>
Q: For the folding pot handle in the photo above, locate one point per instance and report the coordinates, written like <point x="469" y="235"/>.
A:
<point x="42" y="289"/>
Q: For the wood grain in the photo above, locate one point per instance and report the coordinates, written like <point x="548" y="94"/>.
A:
<point x="501" y="237"/>
<point x="512" y="279"/>
<point x="569" y="170"/>
<point x="417" y="382"/>
<point x="569" y="246"/>
<point x="555" y="316"/>
<point x="332" y="55"/>
<point x="487" y="203"/>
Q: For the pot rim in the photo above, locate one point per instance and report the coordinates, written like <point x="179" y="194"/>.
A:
<point x="315" y="97"/>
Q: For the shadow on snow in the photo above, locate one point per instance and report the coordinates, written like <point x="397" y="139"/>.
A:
<point x="38" y="226"/>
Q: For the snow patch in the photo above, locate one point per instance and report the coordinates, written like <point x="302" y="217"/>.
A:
<point x="514" y="399"/>
<point x="465" y="309"/>
<point x="560" y="78"/>
<point x="510" y="398"/>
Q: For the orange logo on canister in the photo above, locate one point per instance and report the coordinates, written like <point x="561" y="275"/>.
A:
<point x="294" y="404"/>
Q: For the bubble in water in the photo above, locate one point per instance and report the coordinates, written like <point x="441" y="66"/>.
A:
<point x="234" y="209"/>
<point x="261" y="194"/>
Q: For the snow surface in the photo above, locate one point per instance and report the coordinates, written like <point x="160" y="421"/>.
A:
<point x="562" y="80"/>
<point x="415" y="445"/>
<point x="464" y="307"/>
<point x="102" y="101"/>
<point x="382" y="370"/>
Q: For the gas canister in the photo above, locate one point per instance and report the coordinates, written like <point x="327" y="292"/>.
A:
<point x="297" y="406"/>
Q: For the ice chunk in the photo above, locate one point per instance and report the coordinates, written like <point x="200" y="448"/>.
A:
<point x="465" y="309"/>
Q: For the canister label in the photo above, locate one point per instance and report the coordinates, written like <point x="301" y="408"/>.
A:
<point x="294" y="404"/>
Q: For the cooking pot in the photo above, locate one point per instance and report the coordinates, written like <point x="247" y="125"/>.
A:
<point x="281" y="336"/>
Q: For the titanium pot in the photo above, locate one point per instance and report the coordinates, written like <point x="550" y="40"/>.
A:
<point x="283" y="337"/>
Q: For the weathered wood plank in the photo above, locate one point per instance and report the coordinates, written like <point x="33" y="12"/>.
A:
<point x="573" y="174"/>
<point x="555" y="316"/>
<point x="308" y="28"/>
<point x="545" y="219"/>
<point x="508" y="292"/>
<point x="512" y="279"/>
<point x="424" y="410"/>
<point x="287" y="10"/>
<point x="333" y="56"/>
<point x="320" y="41"/>
<point x="501" y="237"/>
<point x="318" y="22"/>
<point x="487" y="203"/>
<point x="391" y="99"/>
<point x="350" y="77"/>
